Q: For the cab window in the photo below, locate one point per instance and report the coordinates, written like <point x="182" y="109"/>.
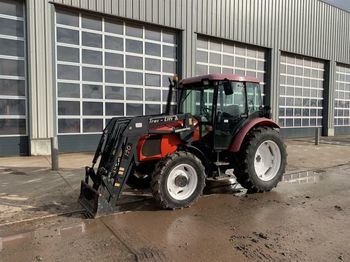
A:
<point x="254" y="97"/>
<point x="232" y="105"/>
<point x="198" y="102"/>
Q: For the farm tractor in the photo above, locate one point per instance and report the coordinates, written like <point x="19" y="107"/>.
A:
<point x="212" y="123"/>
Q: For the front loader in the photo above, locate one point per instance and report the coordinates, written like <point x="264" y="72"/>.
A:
<point x="218" y="123"/>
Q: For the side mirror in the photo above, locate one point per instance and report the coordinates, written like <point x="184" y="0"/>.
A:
<point x="228" y="89"/>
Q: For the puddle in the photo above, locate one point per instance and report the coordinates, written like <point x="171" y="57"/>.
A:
<point x="28" y="238"/>
<point x="16" y="240"/>
<point x="72" y="230"/>
<point x="306" y="177"/>
<point x="223" y="186"/>
<point x="14" y="197"/>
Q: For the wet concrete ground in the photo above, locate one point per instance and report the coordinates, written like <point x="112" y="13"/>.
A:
<point x="29" y="189"/>
<point x="301" y="220"/>
<point x="306" y="218"/>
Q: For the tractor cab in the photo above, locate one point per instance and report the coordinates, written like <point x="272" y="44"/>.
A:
<point x="222" y="104"/>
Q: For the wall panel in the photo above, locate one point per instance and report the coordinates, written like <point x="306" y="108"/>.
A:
<point x="307" y="27"/>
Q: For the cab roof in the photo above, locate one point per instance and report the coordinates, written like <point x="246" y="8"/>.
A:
<point x="218" y="77"/>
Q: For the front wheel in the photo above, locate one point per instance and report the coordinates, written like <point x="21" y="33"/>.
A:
<point x="262" y="160"/>
<point x="178" y="180"/>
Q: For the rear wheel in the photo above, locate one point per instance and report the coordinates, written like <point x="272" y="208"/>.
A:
<point x="178" y="180"/>
<point x="262" y="160"/>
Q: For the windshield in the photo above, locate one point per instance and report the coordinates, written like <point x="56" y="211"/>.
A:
<point x="198" y="102"/>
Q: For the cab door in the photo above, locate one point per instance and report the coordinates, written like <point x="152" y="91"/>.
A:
<point x="230" y="113"/>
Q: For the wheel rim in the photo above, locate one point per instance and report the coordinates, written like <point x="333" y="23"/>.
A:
<point x="182" y="182"/>
<point x="267" y="160"/>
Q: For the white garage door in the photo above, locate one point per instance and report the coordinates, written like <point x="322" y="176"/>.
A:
<point x="301" y="91"/>
<point x="13" y="94"/>
<point x="109" y="68"/>
<point x="214" y="56"/>
<point x="342" y="96"/>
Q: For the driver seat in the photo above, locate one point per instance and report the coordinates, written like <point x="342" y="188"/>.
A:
<point x="232" y="110"/>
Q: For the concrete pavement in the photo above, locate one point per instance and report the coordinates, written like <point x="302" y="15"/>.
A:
<point x="295" y="222"/>
<point x="29" y="189"/>
<point x="38" y="222"/>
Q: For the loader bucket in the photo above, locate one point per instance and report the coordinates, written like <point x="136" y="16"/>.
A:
<point x="94" y="202"/>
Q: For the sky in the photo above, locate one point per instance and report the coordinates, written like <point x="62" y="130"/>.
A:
<point x="344" y="4"/>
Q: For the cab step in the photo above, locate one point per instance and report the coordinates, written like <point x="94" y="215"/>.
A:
<point x="219" y="163"/>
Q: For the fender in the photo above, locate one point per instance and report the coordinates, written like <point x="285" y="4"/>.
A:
<point x="198" y="153"/>
<point x="238" y="139"/>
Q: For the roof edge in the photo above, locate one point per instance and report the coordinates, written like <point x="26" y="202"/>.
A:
<point x="218" y="77"/>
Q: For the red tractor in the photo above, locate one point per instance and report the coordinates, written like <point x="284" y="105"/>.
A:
<point x="218" y="122"/>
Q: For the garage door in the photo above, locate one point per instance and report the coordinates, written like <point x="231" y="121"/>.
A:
<point x="13" y="94"/>
<point x="342" y="99"/>
<point x="107" y="67"/>
<point x="215" y="56"/>
<point x="301" y="92"/>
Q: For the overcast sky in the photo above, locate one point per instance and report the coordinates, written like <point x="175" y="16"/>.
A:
<point x="344" y="4"/>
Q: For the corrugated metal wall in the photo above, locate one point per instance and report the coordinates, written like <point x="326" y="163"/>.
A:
<point x="308" y="27"/>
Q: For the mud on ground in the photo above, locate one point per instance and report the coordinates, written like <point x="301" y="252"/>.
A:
<point x="301" y="220"/>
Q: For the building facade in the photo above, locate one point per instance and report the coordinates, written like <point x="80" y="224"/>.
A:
<point x="68" y="66"/>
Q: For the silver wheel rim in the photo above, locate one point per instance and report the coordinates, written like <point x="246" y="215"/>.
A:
<point x="267" y="160"/>
<point x="182" y="192"/>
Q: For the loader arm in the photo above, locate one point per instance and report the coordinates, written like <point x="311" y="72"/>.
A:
<point x="117" y="151"/>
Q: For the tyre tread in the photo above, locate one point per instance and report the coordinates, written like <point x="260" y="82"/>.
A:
<point x="242" y="172"/>
<point x="160" y="170"/>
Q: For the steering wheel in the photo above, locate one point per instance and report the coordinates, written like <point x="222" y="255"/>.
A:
<point x="206" y="111"/>
<point x="219" y="117"/>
